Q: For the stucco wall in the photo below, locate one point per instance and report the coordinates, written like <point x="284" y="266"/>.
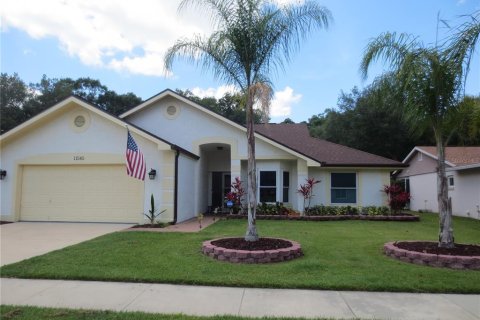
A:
<point x="55" y="141"/>
<point x="370" y="184"/>
<point x="423" y="190"/>
<point x="186" y="187"/>
<point x="201" y="184"/>
<point x="466" y="193"/>
<point x="191" y="128"/>
<point x="419" y="164"/>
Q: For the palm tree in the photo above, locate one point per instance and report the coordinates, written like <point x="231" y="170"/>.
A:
<point x="252" y="38"/>
<point x="432" y="81"/>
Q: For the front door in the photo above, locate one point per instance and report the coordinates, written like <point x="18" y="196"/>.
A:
<point x="220" y="187"/>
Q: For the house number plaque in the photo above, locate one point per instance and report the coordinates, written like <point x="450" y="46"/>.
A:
<point x="77" y="158"/>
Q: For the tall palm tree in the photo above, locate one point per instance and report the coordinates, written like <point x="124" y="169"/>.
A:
<point x="432" y="81"/>
<point x="252" y="39"/>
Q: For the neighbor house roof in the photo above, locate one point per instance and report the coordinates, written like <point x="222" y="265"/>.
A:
<point x="459" y="156"/>
<point x="329" y="154"/>
<point x="455" y="157"/>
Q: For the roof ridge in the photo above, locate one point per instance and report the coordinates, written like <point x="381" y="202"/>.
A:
<point x="354" y="149"/>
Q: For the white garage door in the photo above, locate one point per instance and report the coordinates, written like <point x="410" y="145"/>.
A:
<point x="89" y="193"/>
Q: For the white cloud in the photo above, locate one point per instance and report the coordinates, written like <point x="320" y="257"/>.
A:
<point x="283" y="101"/>
<point x="122" y="35"/>
<point x="280" y="106"/>
<point x="213" y="92"/>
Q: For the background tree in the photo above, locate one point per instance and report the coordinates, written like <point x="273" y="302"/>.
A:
<point x="19" y="102"/>
<point x="52" y="91"/>
<point x="14" y="95"/>
<point x="252" y="39"/>
<point x="231" y="106"/>
<point x="432" y="83"/>
<point x="370" y="120"/>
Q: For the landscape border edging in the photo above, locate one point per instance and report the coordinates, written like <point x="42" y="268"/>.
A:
<point x="405" y="218"/>
<point x="255" y="256"/>
<point x="429" y="259"/>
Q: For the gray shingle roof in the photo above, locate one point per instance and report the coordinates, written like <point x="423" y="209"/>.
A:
<point x="297" y="138"/>
<point x="459" y="156"/>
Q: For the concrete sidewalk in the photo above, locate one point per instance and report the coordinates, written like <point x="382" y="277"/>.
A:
<point x="207" y="301"/>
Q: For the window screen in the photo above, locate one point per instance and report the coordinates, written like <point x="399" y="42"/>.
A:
<point x="268" y="186"/>
<point x="344" y="188"/>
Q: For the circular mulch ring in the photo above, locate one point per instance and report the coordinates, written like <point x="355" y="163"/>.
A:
<point x="265" y="250"/>
<point x="463" y="256"/>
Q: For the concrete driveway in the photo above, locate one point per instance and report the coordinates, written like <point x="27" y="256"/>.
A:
<point x="23" y="240"/>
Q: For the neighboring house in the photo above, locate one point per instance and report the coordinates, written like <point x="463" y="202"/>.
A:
<point x="463" y="176"/>
<point x="67" y="163"/>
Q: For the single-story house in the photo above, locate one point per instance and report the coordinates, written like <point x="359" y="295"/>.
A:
<point x="463" y="176"/>
<point x="68" y="163"/>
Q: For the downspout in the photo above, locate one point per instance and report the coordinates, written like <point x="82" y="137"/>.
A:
<point x="175" y="193"/>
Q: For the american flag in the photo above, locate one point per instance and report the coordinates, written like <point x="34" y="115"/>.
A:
<point x="135" y="162"/>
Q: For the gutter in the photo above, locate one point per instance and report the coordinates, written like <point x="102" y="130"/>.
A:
<point x="175" y="194"/>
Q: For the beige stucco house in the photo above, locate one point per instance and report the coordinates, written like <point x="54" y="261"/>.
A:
<point x="463" y="173"/>
<point x="68" y="163"/>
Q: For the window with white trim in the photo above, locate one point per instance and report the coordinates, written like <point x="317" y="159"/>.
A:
<point x="451" y="182"/>
<point x="268" y="186"/>
<point x="343" y="187"/>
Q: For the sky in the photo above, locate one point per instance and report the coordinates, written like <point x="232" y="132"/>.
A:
<point x="122" y="43"/>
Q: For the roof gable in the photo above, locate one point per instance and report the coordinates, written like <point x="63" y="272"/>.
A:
<point x="293" y="138"/>
<point x="169" y="93"/>
<point x="454" y="156"/>
<point x="74" y="100"/>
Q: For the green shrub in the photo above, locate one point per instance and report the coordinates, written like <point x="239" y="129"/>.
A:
<point x="275" y="209"/>
<point x="375" y="211"/>
<point x="321" y="210"/>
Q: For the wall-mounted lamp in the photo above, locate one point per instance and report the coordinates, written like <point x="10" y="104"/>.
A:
<point x="3" y="174"/>
<point x="152" y="174"/>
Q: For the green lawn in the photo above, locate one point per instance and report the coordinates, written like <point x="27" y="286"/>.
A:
<point x="34" y="313"/>
<point x="343" y="255"/>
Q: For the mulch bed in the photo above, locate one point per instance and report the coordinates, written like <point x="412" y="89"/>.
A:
<point x="261" y="244"/>
<point x="432" y="247"/>
<point x="5" y="222"/>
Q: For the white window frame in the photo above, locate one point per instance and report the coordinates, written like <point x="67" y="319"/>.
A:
<point x="451" y="186"/>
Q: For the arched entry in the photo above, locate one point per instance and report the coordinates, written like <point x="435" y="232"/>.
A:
<point x="217" y="167"/>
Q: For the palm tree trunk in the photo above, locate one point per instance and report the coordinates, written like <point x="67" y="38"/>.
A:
<point x="445" y="237"/>
<point x="251" y="234"/>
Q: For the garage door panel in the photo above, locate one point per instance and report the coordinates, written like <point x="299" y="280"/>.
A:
<point x="80" y="193"/>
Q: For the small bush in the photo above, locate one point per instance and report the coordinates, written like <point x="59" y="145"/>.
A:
<point x="276" y="209"/>
<point x="397" y="197"/>
<point x="375" y="211"/>
<point x="321" y="210"/>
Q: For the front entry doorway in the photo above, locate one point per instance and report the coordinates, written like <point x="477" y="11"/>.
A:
<point x="221" y="182"/>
